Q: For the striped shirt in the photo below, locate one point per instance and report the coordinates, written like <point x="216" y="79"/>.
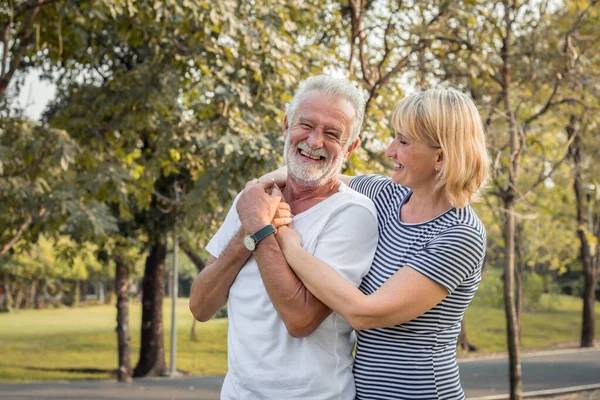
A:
<point x="417" y="359"/>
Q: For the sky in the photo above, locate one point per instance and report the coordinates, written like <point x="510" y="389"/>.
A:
<point x="35" y="95"/>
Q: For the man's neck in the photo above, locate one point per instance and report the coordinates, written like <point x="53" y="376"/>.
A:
<point x="301" y="198"/>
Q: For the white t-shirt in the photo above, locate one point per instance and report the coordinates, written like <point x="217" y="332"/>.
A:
<point x="264" y="360"/>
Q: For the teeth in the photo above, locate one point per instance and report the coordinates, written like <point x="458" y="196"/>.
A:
<point x="314" y="157"/>
<point x="396" y="165"/>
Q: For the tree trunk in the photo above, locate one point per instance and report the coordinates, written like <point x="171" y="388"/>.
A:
<point x="508" y="197"/>
<point x="84" y="290"/>
<point x="463" y="341"/>
<point x="123" y="337"/>
<point x="519" y="269"/>
<point x="9" y="301"/>
<point x="590" y="277"/>
<point x="18" y="297"/>
<point x="512" y="324"/>
<point x="77" y="294"/>
<point x="152" y="352"/>
<point x="30" y="297"/>
<point x="200" y="264"/>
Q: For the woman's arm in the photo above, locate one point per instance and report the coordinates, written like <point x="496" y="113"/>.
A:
<point x="405" y="296"/>
<point x="279" y="176"/>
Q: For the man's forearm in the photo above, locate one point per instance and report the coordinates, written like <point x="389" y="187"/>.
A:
<point x="301" y="312"/>
<point x="210" y="290"/>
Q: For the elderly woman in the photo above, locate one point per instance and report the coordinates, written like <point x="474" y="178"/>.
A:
<point x="427" y="267"/>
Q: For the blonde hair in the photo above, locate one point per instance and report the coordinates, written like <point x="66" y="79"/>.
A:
<point x="448" y="119"/>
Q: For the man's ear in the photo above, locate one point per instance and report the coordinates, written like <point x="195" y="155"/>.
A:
<point x="285" y="127"/>
<point x="351" y="148"/>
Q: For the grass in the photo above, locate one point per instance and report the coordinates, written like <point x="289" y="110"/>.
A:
<point x="80" y="343"/>
<point x="44" y="344"/>
<point x="556" y="323"/>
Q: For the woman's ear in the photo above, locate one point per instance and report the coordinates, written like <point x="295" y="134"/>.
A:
<point x="439" y="160"/>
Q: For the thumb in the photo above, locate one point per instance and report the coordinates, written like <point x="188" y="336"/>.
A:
<point x="276" y="192"/>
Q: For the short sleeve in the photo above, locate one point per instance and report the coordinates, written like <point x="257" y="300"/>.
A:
<point x="349" y="241"/>
<point x="370" y="185"/>
<point x="226" y="232"/>
<point x="451" y="257"/>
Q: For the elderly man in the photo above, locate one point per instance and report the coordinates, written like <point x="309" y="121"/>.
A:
<point x="283" y="343"/>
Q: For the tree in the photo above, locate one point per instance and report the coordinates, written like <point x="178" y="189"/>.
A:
<point x="581" y="127"/>
<point x="188" y="103"/>
<point x="517" y="59"/>
<point x="587" y="231"/>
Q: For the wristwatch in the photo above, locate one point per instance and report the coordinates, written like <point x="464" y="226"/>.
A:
<point x="250" y="241"/>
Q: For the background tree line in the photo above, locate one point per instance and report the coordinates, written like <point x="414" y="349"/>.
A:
<point x="183" y="99"/>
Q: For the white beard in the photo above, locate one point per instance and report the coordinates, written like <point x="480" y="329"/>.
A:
<point x="308" y="174"/>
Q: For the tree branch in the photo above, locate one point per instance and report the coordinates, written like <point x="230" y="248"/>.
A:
<point x="543" y="177"/>
<point x="195" y="258"/>
<point x="22" y="228"/>
<point x="18" y="235"/>
<point x="18" y="52"/>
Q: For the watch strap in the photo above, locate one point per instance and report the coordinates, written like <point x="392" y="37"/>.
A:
<point x="263" y="233"/>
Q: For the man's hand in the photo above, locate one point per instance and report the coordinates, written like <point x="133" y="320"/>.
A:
<point x="256" y="208"/>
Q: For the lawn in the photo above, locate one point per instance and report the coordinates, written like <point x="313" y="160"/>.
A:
<point x="45" y="344"/>
<point x="80" y="343"/>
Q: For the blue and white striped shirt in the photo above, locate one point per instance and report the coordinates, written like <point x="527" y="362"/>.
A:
<point x="417" y="359"/>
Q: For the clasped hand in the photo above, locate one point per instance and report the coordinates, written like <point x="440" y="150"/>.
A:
<point x="263" y="203"/>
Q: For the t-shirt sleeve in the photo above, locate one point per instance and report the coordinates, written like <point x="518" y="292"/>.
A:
<point x="369" y="185"/>
<point x="451" y="257"/>
<point x="226" y="232"/>
<point x="349" y="240"/>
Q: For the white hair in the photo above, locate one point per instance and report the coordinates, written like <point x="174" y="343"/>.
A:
<point x="336" y="87"/>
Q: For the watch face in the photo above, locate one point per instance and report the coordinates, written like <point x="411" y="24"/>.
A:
<point x="249" y="243"/>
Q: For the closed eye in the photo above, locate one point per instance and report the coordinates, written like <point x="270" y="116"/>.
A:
<point x="400" y="139"/>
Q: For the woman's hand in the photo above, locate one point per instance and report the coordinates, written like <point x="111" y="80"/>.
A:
<point x="279" y="176"/>
<point x="283" y="216"/>
<point x="288" y="238"/>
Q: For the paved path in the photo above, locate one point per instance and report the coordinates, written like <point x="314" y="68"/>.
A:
<point x="541" y="371"/>
<point x="481" y="377"/>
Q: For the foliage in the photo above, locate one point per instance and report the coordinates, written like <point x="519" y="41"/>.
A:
<point x="491" y="291"/>
<point x="38" y="187"/>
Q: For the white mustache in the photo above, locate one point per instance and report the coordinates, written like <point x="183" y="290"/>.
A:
<point x="306" y="148"/>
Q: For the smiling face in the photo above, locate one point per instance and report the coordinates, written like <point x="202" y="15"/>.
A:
<point x="315" y="142"/>
<point x="415" y="162"/>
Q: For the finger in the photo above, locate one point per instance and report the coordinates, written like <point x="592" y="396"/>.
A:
<point x="267" y="185"/>
<point x="281" y="222"/>
<point x="280" y="191"/>
<point x="251" y="182"/>
<point x="276" y="192"/>
<point x="283" y="214"/>
<point x="284" y="206"/>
